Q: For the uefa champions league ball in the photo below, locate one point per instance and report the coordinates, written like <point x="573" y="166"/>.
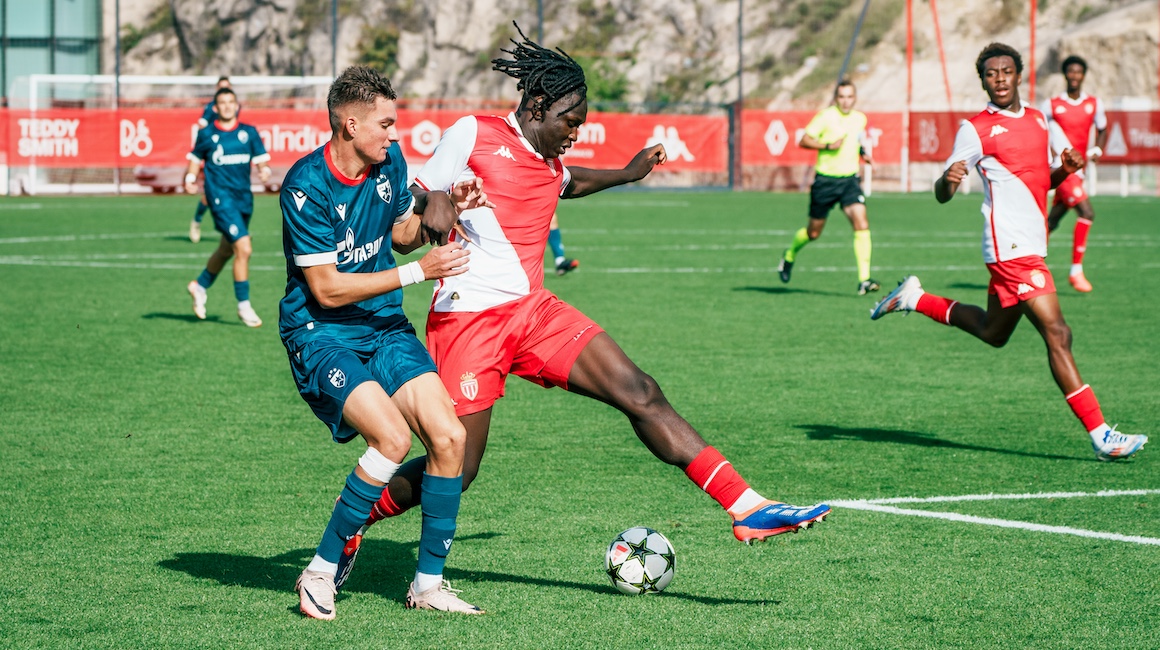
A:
<point x="640" y="561"/>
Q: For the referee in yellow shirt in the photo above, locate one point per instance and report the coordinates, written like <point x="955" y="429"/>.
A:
<point x="836" y="133"/>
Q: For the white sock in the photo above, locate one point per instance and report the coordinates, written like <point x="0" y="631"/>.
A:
<point x="322" y="566"/>
<point x="243" y="304"/>
<point x="559" y="260"/>
<point x="1097" y="433"/>
<point x="912" y="300"/>
<point x="1076" y="269"/>
<point x="747" y="501"/>
<point x="426" y="582"/>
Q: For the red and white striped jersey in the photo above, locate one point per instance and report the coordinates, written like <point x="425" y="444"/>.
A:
<point x="1011" y="155"/>
<point x="1075" y="118"/>
<point x="507" y="241"/>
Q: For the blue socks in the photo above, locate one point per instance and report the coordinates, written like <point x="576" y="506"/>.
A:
<point x="201" y="210"/>
<point x="350" y="513"/>
<point x="556" y="243"/>
<point x="440" y="507"/>
<point x="206" y="278"/>
<point x="242" y="290"/>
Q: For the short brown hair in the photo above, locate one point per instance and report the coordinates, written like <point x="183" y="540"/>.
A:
<point x="998" y="49"/>
<point x="358" y="84"/>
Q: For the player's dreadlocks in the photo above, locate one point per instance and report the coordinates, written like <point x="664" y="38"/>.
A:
<point x="542" y="73"/>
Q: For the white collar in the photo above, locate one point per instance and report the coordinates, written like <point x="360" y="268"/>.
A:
<point x="515" y="124"/>
<point x="1074" y="102"/>
<point x="992" y="108"/>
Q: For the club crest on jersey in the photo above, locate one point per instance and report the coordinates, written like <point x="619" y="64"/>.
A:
<point x="243" y="137"/>
<point x="214" y="137"/>
<point x="1042" y="124"/>
<point x="384" y="189"/>
<point x="337" y="377"/>
<point x="1088" y="108"/>
<point x="1037" y="279"/>
<point x="468" y="385"/>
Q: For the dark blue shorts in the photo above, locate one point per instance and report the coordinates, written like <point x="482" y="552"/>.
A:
<point x="229" y="220"/>
<point x="331" y="361"/>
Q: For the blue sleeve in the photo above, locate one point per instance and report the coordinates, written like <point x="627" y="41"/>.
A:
<point x="307" y="226"/>
<point x="403" y="198"/>
<point x="210" y="113"/>
<point x="203" y="145"/>
<point x="259" y="147"/>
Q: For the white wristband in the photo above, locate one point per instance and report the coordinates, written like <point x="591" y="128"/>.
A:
<point x="411" y="274"/>
<point x="1095" y="151"/>
<point x="190" y="179"/>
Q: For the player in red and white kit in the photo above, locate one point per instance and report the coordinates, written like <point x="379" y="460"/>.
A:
<point x="1071" y="117"/>
<point x="498" y="319"/>
<point x="1008" y="144"/>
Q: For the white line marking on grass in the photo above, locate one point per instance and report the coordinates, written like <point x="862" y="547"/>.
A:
<point x="20" y="206"/>
<point x="878" y="505"/>
<point x="996" y="497"/>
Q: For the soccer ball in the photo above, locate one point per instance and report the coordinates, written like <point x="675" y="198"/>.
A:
<point x="640" y="561"/>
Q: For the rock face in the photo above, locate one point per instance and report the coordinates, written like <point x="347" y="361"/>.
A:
<point x="643" y="50"/>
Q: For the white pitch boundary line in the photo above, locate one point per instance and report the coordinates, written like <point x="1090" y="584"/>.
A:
<point x="878" y="505"/>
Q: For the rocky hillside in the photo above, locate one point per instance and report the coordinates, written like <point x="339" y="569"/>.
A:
<point x="649" y="50"/>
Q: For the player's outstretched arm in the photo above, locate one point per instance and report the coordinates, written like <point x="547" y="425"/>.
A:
<point x="947" y="184"/>
<point x="586" y="181"/>
<point x="333" y="288"/>
<point x="1070" y="162"/>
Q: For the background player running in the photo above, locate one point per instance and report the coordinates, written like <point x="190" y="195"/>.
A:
<point x="228" y="148"/>
<point x="208" y="115"/>
<point x="497" y="318"/>
<point x="836" y="132"/>
<point x="354" y="356"/>
<point x="1008" y="144"/>
<point x="1071" y="116"/>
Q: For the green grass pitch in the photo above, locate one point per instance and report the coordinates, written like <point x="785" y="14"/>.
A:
<point x="164" y="483"/>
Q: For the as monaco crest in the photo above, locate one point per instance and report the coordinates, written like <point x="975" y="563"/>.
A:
<point x="384" y="189"/>
<point x="1037" y="279"/>
<point x="468" y="385"/>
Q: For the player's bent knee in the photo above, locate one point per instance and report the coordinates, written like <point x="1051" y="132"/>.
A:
<point x="642" y="396"/>
<point x="447" y="442"/>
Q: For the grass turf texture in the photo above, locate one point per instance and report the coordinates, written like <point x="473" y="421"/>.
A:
<point x="166" y="484"/>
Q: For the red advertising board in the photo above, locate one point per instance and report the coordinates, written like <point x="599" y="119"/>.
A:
<point x="1133" y="138"/>
<point x="87" y="138"/>
<point x="770" y="138"/>
<point x="697" y="143"/>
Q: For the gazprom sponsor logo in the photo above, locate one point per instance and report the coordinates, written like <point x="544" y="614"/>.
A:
<point x="221" y="158"/>
<point x="362" y="252"/>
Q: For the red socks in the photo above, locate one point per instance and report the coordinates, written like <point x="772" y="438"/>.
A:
<point x="385" y="507"/>
<point x="716" y="476"/>
<point x="1086" y="407"/>
<point x="936" y="307"/>
<point x="1079" y="241"/>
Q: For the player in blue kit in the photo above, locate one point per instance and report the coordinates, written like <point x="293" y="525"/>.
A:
<point x="208" y="115"/>
<point x="354" y="356"/>
<point x="228" y="148"/>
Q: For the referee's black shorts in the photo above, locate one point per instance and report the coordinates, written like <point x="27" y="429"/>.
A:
<point x="830" y="190"/>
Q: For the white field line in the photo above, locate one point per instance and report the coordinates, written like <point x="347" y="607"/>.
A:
<point x="878" y="505"/>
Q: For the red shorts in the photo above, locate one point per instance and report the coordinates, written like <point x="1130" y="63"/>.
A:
<point x="1070" y="192"/>
<point x="537" y="337"/>
<point x="1020" y="279"/>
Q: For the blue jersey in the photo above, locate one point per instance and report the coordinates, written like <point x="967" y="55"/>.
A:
<point x="228" y="156"/>
<point x="330" y="219"/>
